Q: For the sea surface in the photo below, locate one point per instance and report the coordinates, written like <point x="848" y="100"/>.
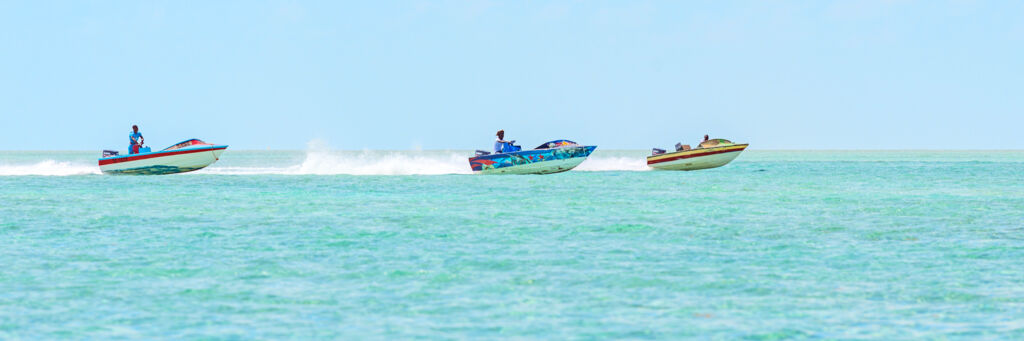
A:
<point x="324" y="244"/>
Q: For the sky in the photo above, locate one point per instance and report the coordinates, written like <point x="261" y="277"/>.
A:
<point x="399" y="75"/>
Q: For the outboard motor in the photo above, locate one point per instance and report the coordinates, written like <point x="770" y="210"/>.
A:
<point x="656" y="151"/>
<point x="109" y="153"/>
<point x="482" y="152"/>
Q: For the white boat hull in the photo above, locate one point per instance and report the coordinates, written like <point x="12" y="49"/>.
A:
<point x="701" y="162"/>
<point x="696" y="159"/>
<point x="178" y="161"/>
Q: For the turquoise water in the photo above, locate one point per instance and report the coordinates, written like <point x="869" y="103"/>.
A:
<point x="324" y="245"/>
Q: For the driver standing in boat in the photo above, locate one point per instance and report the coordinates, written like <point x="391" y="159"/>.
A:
<point x="135" y="140"/>
<point x="500" y="143"/>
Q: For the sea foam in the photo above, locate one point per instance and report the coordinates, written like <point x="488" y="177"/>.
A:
<point x="381" y="163"/>
<point x="606" y="163"/>
<point x="48" y="168"/>
<point x="324" y="162"/>
<point x="319" y="159"/>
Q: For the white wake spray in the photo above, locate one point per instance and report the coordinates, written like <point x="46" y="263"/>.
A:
<point x="48" y="168"/>
<point x="381" y="163"/>
<point x="320" y="159"/>
<point x="599" y="164"/>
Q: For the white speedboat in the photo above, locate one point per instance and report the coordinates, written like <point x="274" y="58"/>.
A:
<point x="709" y="154"/>
<point x="185" y="156"/>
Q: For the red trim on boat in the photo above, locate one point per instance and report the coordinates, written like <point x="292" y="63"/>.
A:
<point x="153" y="155"/>
<point x="695" y="155"/>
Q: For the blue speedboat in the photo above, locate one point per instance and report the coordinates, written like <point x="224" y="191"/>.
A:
<point x="551" y="157"/>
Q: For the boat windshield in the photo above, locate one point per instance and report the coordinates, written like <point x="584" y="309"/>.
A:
<point x="188" y="143"/>
<point x="556" y="144"/>
<point x="715" y="143"/>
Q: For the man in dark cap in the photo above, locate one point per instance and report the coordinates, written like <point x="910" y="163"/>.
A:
<point x="500" y="143"/>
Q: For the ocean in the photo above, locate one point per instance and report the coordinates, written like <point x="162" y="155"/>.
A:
<point x="324" y="244"/>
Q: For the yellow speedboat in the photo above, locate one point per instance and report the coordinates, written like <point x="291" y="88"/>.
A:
<point x="709" y="154"/>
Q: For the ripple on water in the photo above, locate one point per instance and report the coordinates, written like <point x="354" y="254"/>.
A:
<point x="772" y="247"/>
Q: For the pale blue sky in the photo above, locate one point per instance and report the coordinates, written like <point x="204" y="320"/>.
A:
<point x="447" y="74"/>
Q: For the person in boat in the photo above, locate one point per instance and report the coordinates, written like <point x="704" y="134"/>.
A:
<point x="705" y="138"/>
<point x="502" y="146"/>
<point x="135" y="140"/>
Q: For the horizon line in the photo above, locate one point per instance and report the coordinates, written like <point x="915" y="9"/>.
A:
<point x="606" y="149"/>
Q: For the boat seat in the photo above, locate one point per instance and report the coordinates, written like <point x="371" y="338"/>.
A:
<point x="681" y="147"/>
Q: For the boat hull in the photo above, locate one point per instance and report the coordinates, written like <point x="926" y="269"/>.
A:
<point x="537" y="161"/>
<point x="696" y="159"/>
<point x="162" y="162"/>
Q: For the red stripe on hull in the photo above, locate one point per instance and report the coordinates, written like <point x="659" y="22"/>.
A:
<point x="153" y="155"/>
<point x="649" y="162"/>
